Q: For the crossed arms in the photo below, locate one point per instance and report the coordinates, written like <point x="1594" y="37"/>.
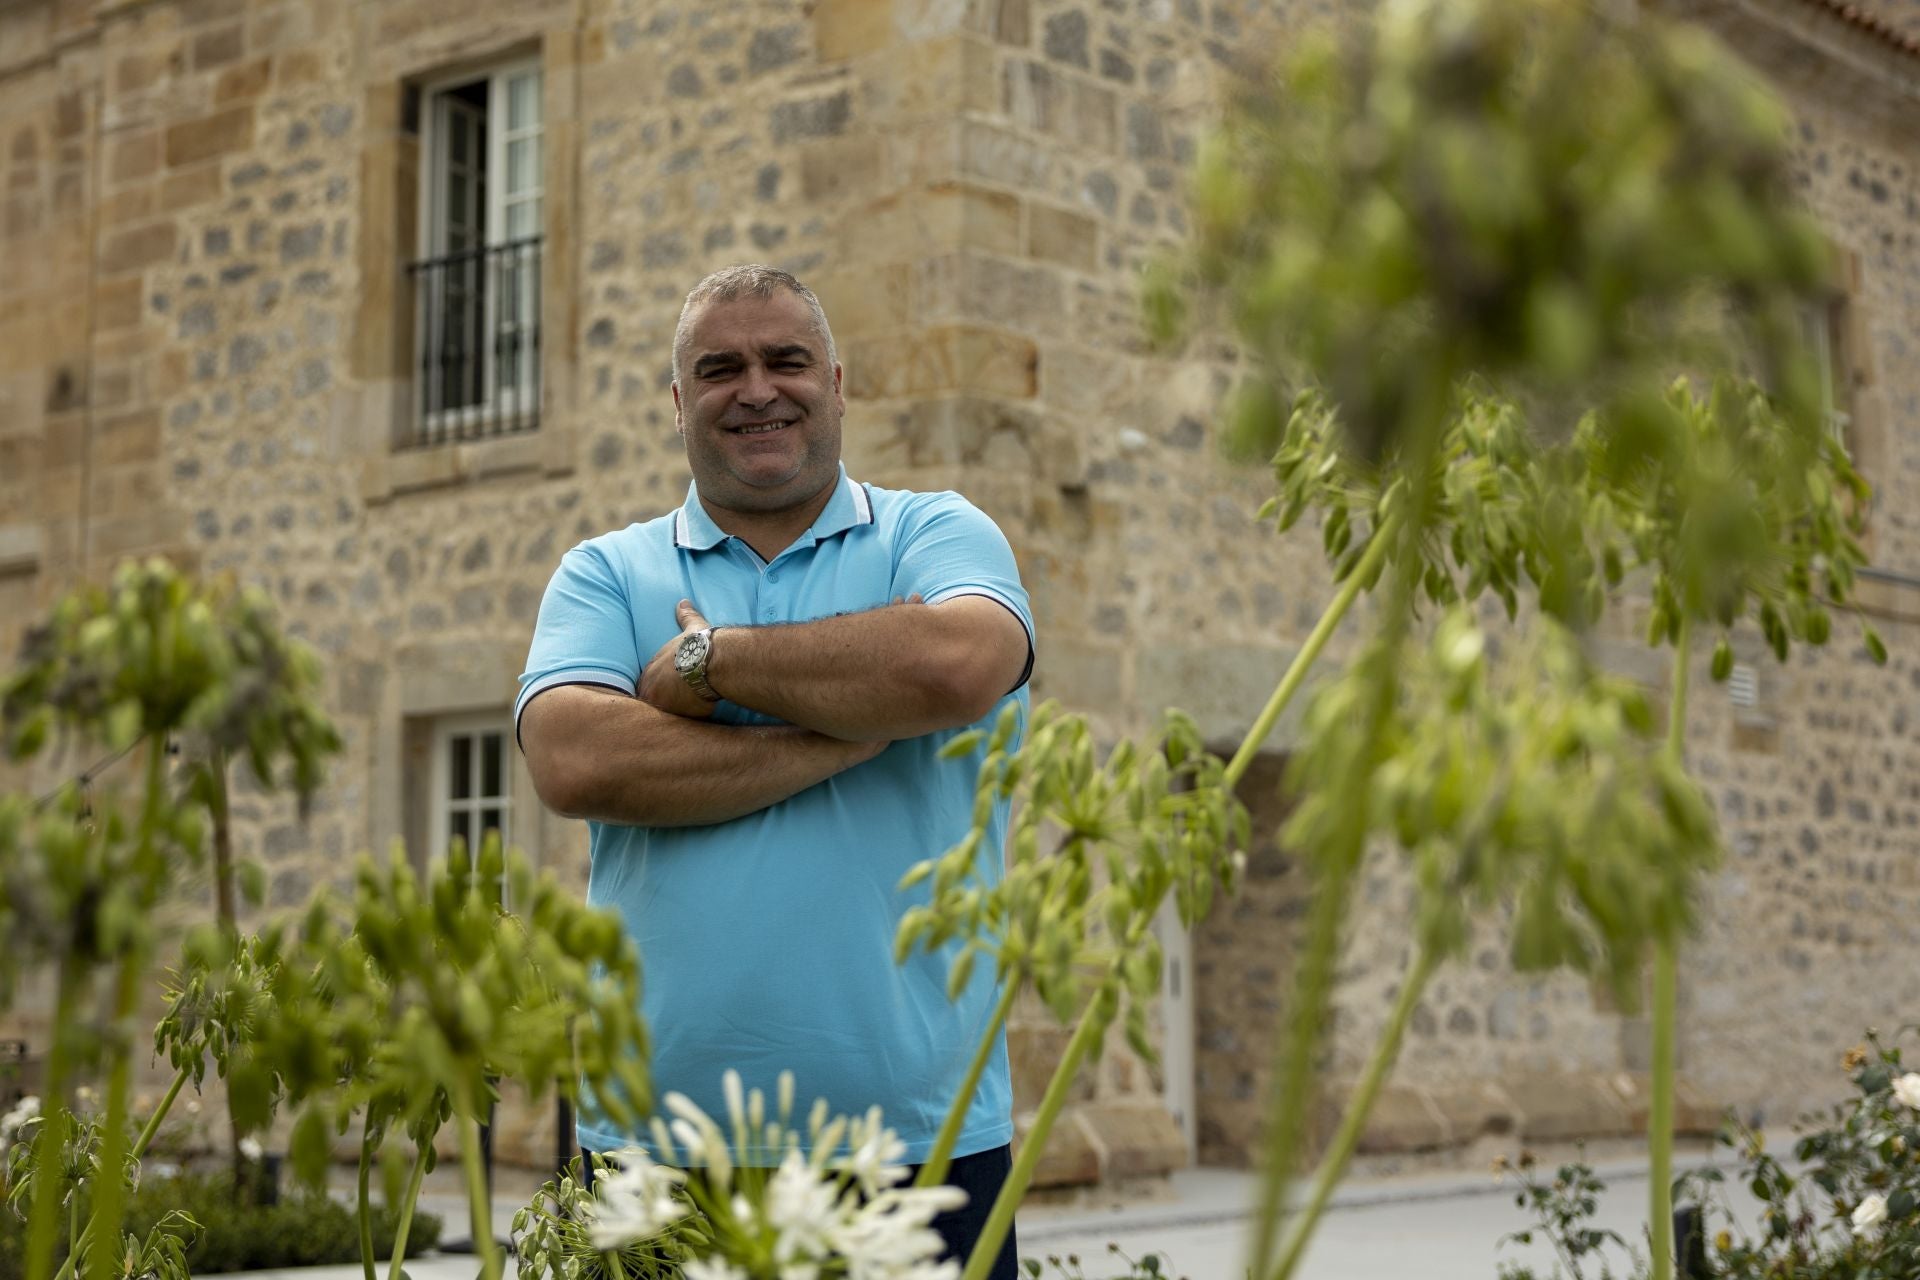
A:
<point x="846" y="686"/>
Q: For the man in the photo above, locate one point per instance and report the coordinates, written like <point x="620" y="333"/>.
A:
<point x="746" y="699"/>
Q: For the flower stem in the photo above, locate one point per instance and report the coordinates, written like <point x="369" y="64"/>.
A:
<point x="109" y="1201"/>
<point x="1094" y="1021"/>
<point x="363" y="1200"/>
<point x="1334" y="1163"/>
<point x="1665" y="1013"/>
<point x="1291" y="1087"/>
<point x="43" y="1220"/>
<point x="934" y="1171"/>
<point x="1290" y="1093"/>
<point x="1303" y="661"/>
<point x="145" y="1140"/>
<point x="479" y="1205"/>
<point x="404" y="1223"/>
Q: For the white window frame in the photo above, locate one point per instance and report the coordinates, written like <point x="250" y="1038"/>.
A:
<point x="509" y="406"/>
<point x="1817" y="322"/>
<point x="441" y="805"/>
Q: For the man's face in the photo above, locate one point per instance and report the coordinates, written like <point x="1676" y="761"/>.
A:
<point x="759" y="404"/>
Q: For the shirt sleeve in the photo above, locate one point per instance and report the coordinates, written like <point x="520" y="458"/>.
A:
<point x="585" y="631"/>
<point x="951" y="548"/>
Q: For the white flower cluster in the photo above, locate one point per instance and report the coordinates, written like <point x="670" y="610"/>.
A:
<point x="1907" y="1089"/>
<point x="23" y="1112"/>
<point x="1869" y="1214"/>
<point x="838" y="1211"/>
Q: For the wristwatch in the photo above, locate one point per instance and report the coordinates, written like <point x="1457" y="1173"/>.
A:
<point x="690" y="660"/>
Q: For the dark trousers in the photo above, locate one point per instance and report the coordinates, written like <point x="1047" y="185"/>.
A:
<point x="981" y="1176"/>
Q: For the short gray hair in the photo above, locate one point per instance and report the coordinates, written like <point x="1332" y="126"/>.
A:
<point x="747" y="280"/>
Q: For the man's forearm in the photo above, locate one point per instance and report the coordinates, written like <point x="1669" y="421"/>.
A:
<point x="602" y="755"/>
<point x="890" y="673"/>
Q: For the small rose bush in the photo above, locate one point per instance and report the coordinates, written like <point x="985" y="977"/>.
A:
<point x="1844" y="1205"/>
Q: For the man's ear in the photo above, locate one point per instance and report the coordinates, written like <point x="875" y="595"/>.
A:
<point x="839" y="398"/>
<point x="679" y="422"/>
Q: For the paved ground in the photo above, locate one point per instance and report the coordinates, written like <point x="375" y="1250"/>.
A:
<point x="1429" y="1226"/>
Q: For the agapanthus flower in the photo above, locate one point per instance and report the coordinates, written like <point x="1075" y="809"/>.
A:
<point x="837" y="1210"/>
<point x="633" y="1200"/>
<point x="17" y="1118"/>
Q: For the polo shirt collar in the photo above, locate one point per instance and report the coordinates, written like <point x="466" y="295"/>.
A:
<point x="695" y="530"/>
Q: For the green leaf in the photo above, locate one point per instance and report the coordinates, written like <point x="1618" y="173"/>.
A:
<point x="1722" y="660"/>
<point x="1876" y="647"/>
<point x="961" y="744"/>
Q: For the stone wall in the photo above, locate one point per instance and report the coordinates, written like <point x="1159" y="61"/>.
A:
<point x="205" y="349"/>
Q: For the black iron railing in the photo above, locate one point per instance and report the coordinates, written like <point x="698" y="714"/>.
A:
<point x="477" y="318"/>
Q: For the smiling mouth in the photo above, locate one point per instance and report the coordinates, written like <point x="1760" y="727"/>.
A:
<point x="759" y="428"/>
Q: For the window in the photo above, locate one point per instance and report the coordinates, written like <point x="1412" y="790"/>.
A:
<point x="1823" y="328"/>
<point x="477" y="284"/>
<point x="472" y="787"/>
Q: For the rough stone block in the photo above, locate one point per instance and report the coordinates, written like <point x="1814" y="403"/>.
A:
<point x="1007" y="21"/>
<point x="1137" y="1139"/>
<point x="190" y="187"/>
<point x="975" y="217"/>
<point x="1402" y="1119"/>
<point x="137" y="72"/>
<point x="1564" y="1108"/>
<point x="1694" y="1113"/>
<point x="127" y="437"/>
<point x="1222" y="686"/>
<point x="131" y="204"/>
<point x="134" y="156"/>
<point x="990" y="362"/>
<point x="1059" y="235"/>
<point x="20" y="548"/>
<point x="1471" y="1110"/>
<point x="192" y="141"/>
<point x="850" y="28"/>
<point x="117" y="303"/>
<point x="1072" y="1157"/>
<point x="138" y="247"/>
<point x="840" y="166"/>
<point x="298" y="67"/>
<point x="217" y="47"/>
<point x="1034" y="1050"/>
<point x="979" y="288"/>
<point x="242" y="83"/>
<point x="866" y="300"/>
<point x="1080" y="674"/>
<point x="153" y="530"/>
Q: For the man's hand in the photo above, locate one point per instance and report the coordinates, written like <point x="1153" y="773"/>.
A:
<point x="661" y="685"/>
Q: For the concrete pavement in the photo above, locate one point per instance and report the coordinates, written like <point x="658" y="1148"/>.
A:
<point x="1392" y="1225"/>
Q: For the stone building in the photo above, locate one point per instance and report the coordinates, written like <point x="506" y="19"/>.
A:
<point x="370" y="303"/>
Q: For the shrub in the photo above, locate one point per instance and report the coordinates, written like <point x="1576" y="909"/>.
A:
<point x="305" y="1228"/>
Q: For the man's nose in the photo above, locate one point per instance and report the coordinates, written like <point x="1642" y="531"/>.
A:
<point x="756" y="388"/>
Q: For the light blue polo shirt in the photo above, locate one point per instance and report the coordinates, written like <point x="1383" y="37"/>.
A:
<point x="767" y="942"/>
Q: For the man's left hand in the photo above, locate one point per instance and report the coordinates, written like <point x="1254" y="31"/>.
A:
<point x="661" y="685"/>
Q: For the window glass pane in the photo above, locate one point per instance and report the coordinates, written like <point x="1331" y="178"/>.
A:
<point x="456" y="203"/>
<point x="458" y="827"/>
<point x="489" y="820"/>
<point x="460" y="766"/>
<point x="490" y="765"/>
<point x="523" y="217"/>
<point x="523" y="100"/>
<point x="457" y="134"/>
<point x="523" y="164"/>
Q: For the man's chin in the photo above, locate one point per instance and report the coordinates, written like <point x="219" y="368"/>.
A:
<point x="774" y="491"/>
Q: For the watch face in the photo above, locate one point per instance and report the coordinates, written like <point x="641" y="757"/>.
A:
<point x="691" y="653"/>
